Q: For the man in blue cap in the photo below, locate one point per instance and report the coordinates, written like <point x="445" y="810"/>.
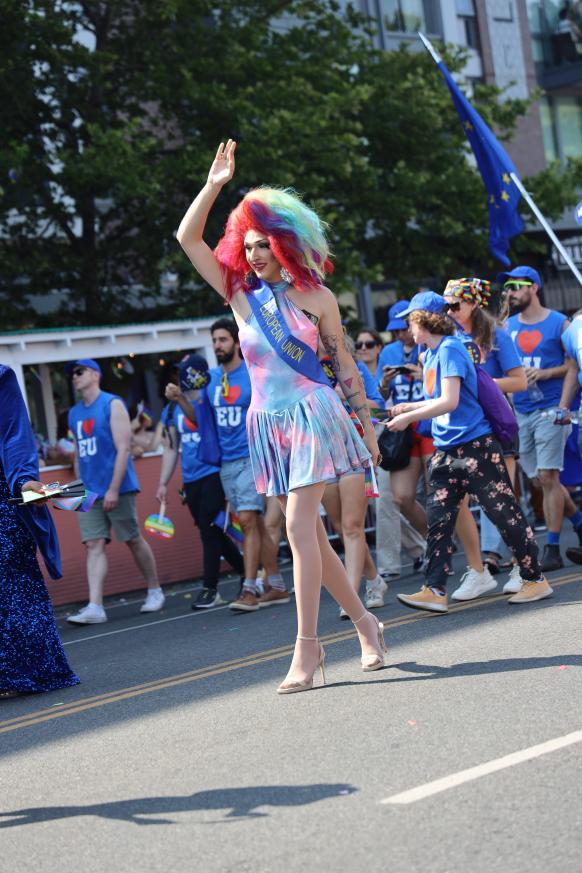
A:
<point x="537" y="334"/>
<point x="101" y="429"/>
<point x="203" y="490"/>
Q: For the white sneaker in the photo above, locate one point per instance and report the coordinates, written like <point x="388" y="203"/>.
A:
<point x="473" y="584"/>
<point x="154" y="601"/>
<point x="343" y="614"/>
<point x="375" y="591"/>
<point x="514" y="583"/>
<point x="90" y="614"/>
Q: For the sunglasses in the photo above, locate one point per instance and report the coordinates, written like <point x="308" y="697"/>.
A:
<point x="225" y="385"/>
<point x="509" y="286"/>
<point x="78" y="371"/>
<point x="365" y="344"/>
<point x="453" y="307"/>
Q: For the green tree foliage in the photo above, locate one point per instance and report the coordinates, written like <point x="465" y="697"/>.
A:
<point x="111" y="112"/>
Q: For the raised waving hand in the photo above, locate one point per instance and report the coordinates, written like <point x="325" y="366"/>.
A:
<point x="222" y="169"/>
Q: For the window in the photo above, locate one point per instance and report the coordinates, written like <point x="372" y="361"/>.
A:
<point x="406" y="16"/>
<point x="548" y="130"/>
<point x="468" y="21"/>
<point x="569" y="126"/>
<point x="561" y="119"/>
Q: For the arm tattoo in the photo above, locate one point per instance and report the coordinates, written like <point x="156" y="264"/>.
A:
<point x="354" y="391"/>
<point x="330" y="344"/>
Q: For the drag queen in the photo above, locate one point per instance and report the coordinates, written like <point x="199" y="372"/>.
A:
<point x="270" y="266"/>
<point x="31" y="655"/>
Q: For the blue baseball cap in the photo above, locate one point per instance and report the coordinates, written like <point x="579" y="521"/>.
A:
<point x="395" y="323"/>
<point x="429" y="301"/>
<point x="521" y="273"/>
<point x="83" y="362"/>
<point x="194" y="372"/>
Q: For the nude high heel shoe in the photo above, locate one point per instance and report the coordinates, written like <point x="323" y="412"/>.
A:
<point x="306" y="684"/>
<point x="374" y="662"/>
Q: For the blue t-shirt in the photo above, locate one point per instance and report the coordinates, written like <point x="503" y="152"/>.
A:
<point x="502" y="357"/>
<point x="394" y="355"/>
<point x="370" y="385"/>
<point x="572" y="341"/>
<point x="96" y="452"/>
<point x="467" y="422"/>
<point x="192" y="467"/>
<point x="231" y="410"/>
<point x="540" y="346"/>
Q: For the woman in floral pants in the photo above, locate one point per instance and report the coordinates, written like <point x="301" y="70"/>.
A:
<point x="467" y="460"/>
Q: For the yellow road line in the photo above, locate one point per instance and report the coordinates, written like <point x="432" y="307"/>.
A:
<point x="86" y="703"/>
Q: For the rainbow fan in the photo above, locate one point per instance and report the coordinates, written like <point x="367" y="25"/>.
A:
<point x="159" y="525"/>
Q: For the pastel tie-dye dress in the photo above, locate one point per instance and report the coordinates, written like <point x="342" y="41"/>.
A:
<point x="299" y="432"/>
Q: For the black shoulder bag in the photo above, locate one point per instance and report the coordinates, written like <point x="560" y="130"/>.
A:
<point x="395" y="445"/>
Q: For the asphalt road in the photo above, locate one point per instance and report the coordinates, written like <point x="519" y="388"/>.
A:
<point x="176" y="754"/>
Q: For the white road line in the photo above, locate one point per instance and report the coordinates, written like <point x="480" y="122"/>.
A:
<point x="455" y="779"/>
<point x="124" y="630"/>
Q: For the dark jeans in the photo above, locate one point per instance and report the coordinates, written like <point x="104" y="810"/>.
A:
<point x="205" y="498"/>
<point x="475" y="468"/>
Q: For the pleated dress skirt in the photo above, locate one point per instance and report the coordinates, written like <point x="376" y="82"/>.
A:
<point x="313" y="440"/>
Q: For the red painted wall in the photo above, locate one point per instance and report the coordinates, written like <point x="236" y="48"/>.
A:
<point x="178" y="559"/>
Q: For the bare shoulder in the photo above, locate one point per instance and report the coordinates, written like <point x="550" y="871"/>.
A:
<point x="318" y="301"/>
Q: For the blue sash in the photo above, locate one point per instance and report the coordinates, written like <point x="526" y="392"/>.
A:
<point x="295" y="353"/>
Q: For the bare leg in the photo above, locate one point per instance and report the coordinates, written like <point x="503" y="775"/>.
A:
<point x="469" y="535"/>
<point x="370" y="569"/>
<point x="269" y="549"/>
<point x="274" y="519"/>
<point x="144" y="558"/>
<point x="353" y="512"/>
<point x="96" y="569"/>
<point x="313" y="557"/>
<point x="252" y="541"/>
<point x="553" y="499"/>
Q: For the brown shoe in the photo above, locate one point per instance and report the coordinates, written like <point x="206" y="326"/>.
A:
<point x="532" y="591"/>
<point x="425" y="599"/>
<point x="245" y="602"/>
<point x="274" y="596"/>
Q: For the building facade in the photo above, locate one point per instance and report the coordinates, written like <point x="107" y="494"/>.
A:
<point x="531" y="48"/>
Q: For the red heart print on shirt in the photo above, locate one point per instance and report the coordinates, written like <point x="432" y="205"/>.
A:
<point x="528" y="340"/>
<point x="429" y="381"/>
<point x="88" y="426"/>
<point x="233" y="394"/>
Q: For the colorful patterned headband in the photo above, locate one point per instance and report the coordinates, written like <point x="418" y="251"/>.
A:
<point x="472" y="290"/>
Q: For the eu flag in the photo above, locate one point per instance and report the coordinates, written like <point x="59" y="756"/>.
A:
<point x="495" y="167"/>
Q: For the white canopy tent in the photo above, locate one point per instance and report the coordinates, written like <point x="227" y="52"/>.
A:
<point x="41" y="348"/>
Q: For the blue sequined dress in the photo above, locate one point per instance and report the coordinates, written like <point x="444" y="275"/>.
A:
<point x="31" y="654"/>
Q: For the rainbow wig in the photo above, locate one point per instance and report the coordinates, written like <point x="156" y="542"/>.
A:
<point x="295" y="233"/>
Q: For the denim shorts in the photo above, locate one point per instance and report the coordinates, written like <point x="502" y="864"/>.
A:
<point x="239" y="486"/>
<point x="541" y="442"/>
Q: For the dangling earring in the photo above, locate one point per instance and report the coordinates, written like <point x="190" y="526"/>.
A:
<point x="286" y="276"/>
<point x="251" y="279"/>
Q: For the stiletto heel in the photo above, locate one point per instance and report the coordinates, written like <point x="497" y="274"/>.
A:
<point x="306" y="684"/>
<point x="374" y="662"/>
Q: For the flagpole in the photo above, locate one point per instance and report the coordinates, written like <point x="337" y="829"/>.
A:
<point x="540" y="217"/>
<point x="520" y="186"/>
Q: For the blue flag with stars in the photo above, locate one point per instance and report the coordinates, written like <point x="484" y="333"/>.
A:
<point x="495" y="167"/>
